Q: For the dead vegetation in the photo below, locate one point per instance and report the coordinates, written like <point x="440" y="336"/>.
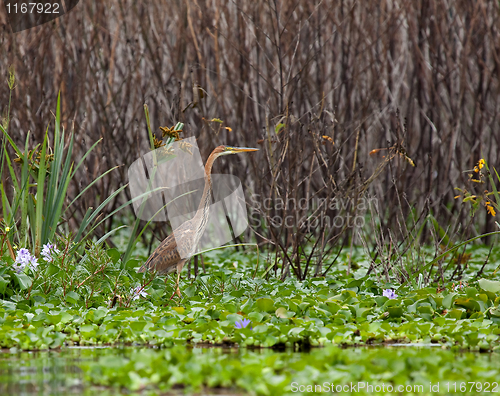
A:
<point x="317" y="85"/>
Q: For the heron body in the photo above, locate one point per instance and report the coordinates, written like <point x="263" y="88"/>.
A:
<point x="178" y="247"/>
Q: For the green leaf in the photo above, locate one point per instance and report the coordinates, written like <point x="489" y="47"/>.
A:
<point x="283" y="313"/>
<point x="456" y="313"/>
<point x="23" y="280"/>
<point x="296" y="331"/>
<point x="3" y="285"/>
<point x="190" y="291"/>
<point x="468" y="303"/>
<point x="495" y="311"/>
<point x="395" y="311"/>
<point x="114" y="254"/>
<point x="269" y="341"/>
<point x="256" y="316"/>
<point x="132" y="263"/>
<point x="138" y="326"/>
<point x="488" y="285"/>
<point x="355" y="283"/>
<point x="265" y="304"/>
<point x="333" y="307"/>
<point x="66" y="317"/>
<point x="9" y="305"/>
<point x="40" y="185"/>
<point x="72" y="297"/>
<point x="448" y="300"/>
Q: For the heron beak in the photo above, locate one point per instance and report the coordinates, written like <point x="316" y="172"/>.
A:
<point x="235" y="150"/>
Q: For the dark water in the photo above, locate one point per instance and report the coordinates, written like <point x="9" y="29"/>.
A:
<point x="49" y="372"/>
<point x="59" y="373"/>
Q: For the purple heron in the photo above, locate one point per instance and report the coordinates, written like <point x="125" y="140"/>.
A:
<point x="173" y="252"/>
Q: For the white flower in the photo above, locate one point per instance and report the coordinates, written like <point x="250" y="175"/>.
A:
<point x="460" y="286"/>
<point x="138" y="292"/>
<point x="47" y="252"/>
<point x="25" y="259"/>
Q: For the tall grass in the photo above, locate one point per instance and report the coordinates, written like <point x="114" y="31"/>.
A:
<point x="37" y="204"/>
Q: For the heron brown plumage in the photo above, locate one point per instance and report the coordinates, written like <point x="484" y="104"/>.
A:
<point x="179" y="246"/>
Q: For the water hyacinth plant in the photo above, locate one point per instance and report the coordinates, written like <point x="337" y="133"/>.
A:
<point x="48" y="252"/>
<point x="390" y="294"/>
<point x="24" y="260"/>
<point x="241" y="324"/>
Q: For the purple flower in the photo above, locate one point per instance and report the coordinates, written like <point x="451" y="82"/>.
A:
<point x="24" y="259"/>
<point x="242" y="324"/>
<point x="389" y="294"/>
<point x="47" y="252"/>
<point x="138" y="292"/>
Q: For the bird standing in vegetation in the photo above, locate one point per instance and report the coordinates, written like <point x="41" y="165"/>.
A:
<point x="179" y="246"/>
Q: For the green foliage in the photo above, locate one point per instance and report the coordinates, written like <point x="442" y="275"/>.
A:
<point x="95" y="299"/>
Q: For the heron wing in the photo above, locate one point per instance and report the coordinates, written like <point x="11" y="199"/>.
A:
<point x="165" y="257"/>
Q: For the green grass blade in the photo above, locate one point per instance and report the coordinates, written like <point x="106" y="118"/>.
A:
<point x="14" y="146"/>
<point x="87" y="220"/>
<point x="90" y="185"/>
<point x="9" y="214"/>
<point x="150" y="133"/>
<point x="42" y="172"/>
<point x="52" y="187"/>
<point x="108" y="234"/>
<point x="58" y="193"/>
<point x="6" y="208"/>
<point x="83" y="225"/>
<point x="24" y="194"/>
<point x="85" y="156"/>
<point x="458" y="246"/>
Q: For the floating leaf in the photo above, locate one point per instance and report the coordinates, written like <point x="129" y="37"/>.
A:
<point x="265" y="304"/>
<point x="468" y="303"/>
<point x="488" y="285"/>
<point x="284" y="314"/>
<point x="255" y="316"/>
<point x="395" y="311"/>
<point x="448" y="300"/>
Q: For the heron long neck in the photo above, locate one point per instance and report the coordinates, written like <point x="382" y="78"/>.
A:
<point x="204" y="206"/>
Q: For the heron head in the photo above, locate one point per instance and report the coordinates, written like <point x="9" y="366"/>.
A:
<point x="224" y="150"/>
